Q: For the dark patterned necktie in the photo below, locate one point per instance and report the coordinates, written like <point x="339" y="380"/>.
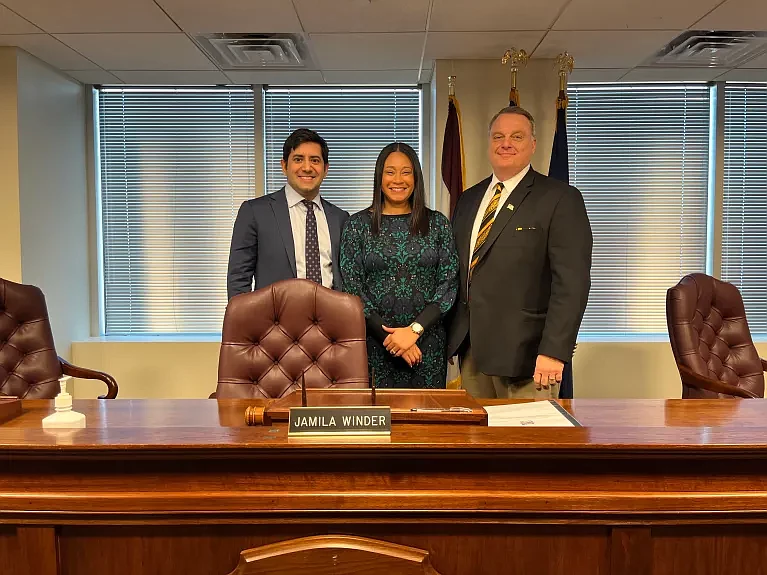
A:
<point x="312" y="247"/>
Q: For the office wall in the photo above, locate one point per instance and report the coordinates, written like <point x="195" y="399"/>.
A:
<point x="53" y="195"/>
<point x="156" y="369"/>
<point x="10" y="221"/>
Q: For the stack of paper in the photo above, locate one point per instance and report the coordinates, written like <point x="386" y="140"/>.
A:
<point x="530" y="414"/>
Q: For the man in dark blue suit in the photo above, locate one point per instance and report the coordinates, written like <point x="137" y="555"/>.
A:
<point x="292" y="233"/>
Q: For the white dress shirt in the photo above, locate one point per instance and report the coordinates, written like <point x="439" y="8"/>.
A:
<point x="297" y="210"/>
<point x="508" y="187"/>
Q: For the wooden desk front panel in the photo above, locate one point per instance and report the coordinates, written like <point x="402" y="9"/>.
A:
<point x="465" y="549"/>
<point x="182" y="487"/>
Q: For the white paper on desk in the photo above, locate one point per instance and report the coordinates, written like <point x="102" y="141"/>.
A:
<point x="529" y="414"/>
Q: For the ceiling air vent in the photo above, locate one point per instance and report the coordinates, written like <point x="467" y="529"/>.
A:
<point x="256" y="51"/>
<point x="706" y="49"/>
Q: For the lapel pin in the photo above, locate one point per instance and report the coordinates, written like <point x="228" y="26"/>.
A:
<point x="511" y="207"/>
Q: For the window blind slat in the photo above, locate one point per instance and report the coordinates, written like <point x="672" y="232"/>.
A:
<point x="175" y="165"/>
<point x="356" y="123"/>
<point x="640" y="156"/>
<point x="744" y="214"/>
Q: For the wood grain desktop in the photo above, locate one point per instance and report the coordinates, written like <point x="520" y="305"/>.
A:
<point x="183" y="486"/>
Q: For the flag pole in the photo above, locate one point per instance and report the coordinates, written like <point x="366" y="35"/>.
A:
<point x="454" y="178"/>
<point x="517" y="59"/>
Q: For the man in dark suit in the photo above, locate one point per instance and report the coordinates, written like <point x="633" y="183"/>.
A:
<point x="524" y="242"/>
<point x="292" y="233"/>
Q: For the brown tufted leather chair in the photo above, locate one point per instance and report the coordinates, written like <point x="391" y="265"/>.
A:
<point x="711" y="341"/>
<point x="29" y="366"/>
<point x="294" y="327"/>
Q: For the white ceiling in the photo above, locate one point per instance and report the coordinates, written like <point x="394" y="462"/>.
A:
<point x="368" y="41"/>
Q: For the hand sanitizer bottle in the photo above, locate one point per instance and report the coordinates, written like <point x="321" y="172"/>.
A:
<point x="64" y="418"/>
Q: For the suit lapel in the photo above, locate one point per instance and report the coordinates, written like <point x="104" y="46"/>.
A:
<point x="281" y="214"/>
<point x="334" y="226"/>
<point x="507" y="211"/>
<point x="333" y="218"/>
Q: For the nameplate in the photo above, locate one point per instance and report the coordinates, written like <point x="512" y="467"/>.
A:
<point x="340" y="421"/>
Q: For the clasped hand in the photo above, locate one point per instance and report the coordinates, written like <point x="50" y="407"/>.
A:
<point x="401" y="342"/>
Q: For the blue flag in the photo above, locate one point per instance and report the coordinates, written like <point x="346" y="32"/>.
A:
<point x="559" y="168"/>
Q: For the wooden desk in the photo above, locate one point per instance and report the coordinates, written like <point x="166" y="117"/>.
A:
<point x="155" y="487"/>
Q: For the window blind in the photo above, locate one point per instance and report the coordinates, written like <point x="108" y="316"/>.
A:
<point x="744" y="225"/>
<point x="356" y="123"/>
<point x="640" y="156"/>
<point x="174" y="166"/>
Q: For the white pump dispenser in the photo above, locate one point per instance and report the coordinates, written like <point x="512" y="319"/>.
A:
<point x="64" y="417"/>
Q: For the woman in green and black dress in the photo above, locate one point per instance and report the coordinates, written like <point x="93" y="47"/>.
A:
<point x="400" y="258"/>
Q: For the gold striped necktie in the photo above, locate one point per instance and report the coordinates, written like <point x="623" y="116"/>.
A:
<point x="484" y="227"/>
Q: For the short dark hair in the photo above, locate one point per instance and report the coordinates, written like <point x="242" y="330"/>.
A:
<point x="419" y="215"/>
<point x="514" y="110"/>
<point x="303" y="136"/>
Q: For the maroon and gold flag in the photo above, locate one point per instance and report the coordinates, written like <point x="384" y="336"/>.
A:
<point x="452" y="154"/>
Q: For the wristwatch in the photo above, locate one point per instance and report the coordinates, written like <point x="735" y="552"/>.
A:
<point x="417" y="328"/>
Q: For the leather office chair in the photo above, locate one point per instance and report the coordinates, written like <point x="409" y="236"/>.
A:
<point x="334" y="555"/>
<point x="29" y="365"/>
<point x="273" y="336"/>
<point x="712" y="344"/>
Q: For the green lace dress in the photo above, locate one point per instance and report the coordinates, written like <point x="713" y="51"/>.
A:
<point x="400" y="279"/>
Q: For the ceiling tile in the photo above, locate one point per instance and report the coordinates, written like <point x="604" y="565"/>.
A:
<point x="233" y="15"/>
<point x="276" y="78"/>
<point x="736" y="15"/>
<point x="605" y="49"/>
<point x="94" y="77"/>
<point x="363" y="15"/>
<point x="368" y="51"/>
<point x="482" y="15"/>
<point x="744" y="75"/>
<point x="93" y="16"/>
<point x="140" y="51"/>
<point x="758" y="62"/>
<point x="473" y="45"/>
<point x="198" y="77"/>
<point x="632" y="14"/>
<point x="379" y="77"/>
<point x="49" y="50"/>
<point x="597" y="75"/>
<point x="11" y="23"/>
<point x="672" y="74"/>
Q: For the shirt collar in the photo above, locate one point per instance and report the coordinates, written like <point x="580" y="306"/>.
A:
<point x="512" y="182"/>
<point x="294" y="198"/>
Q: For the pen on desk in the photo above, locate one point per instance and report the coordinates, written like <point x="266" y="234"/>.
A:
<point x="443" y="409"/>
